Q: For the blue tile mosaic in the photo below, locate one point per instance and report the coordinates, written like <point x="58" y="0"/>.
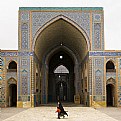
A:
<point x="17" y="54"/>
<point x="102" y="53"/>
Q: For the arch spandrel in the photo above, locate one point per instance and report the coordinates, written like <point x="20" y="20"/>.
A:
<point x="54" y="29"/>
<point x="74" y="24"/>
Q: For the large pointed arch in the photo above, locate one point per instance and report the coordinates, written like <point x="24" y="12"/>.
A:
<point x="40" y="30"/>
<point x="60" y="36"/>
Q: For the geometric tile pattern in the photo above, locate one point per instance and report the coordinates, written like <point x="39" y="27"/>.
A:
<point x="25" y="75"/>
<point x="11" y="75"/>
<point x="90" y="76"/>
<point x="110" y="75"/>
<point x="14" y="55"/>
<point x="98" y="64"/>
<point x="103" y="53"/>
<point x="98" y="84"/>
<point x="119" y="82"/>
<point x="97" y="36"/>
<point x="24" y="28"/>
<point x="10" y="59"/>
<point x="97" y="17"/>
<point x="24" y="84"/>
<point x="19" y="76"/>
<point x="24" y="16"/>
<point x="24" y="39"/>
<point x="39" y="19"/>
<point x="120" y="63"/>
<point x="24" y="78"/>
<point x="2" y="82"/>
<point x="24" y="54"/>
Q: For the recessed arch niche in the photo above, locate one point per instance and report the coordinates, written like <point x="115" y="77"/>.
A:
<point x="60" y="35"/>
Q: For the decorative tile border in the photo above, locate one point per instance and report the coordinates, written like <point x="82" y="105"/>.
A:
<point x="3" y="54"/>
<point x="98" y="74"/>
<point x="102" y="53"/>
<point x="9" y="53"/>
<point x="94" y="53"/>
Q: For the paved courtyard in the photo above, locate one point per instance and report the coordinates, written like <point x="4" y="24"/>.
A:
<point x="44" y="113"/>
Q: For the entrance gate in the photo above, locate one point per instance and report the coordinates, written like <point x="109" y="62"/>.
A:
<point x="110" y="95"/>
<point x="12" y="95"/>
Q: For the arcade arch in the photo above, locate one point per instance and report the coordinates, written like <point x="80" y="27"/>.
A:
<point x="60" y="37"/>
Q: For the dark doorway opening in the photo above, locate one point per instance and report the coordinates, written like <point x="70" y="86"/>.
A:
<point x="61" y="91"/>
<point x="13" y="95"/>
<point x="110" y="67"/>
<point x="110" y="93"/>
<point x="12" y="67"/>
<point x="61" y="78"/>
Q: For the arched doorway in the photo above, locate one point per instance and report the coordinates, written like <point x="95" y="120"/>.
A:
<point x="111" y="84"/>
<point x="110" y="95"/>
<point x="61" y="78"/>
<point x="12" y="95"/>
<point x="60" y="36"/>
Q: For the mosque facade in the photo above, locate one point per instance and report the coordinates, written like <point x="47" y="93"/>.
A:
<point x="61" y="56"/>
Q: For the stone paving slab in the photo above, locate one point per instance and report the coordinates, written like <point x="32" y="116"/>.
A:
<point x="48" y="114"/>
<point x="8" y="112"/>
<point x="112" y="112"/>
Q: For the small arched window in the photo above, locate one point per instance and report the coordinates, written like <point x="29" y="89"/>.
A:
<point x="12" y="67"/>
<point x="61" y="69"/>
<point x="110" y="67"/>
